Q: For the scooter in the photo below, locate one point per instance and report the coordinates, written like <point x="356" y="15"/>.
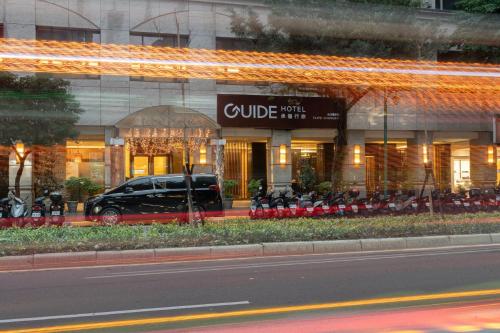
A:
<point x="5" y="220"/>
<point x="56" y="209"/>
<point x="18" y="210"/>
<point x="258" y="204"/>
<point x="38" y="210"/>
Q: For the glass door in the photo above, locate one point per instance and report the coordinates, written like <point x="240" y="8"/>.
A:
<point x="158" y="165"/>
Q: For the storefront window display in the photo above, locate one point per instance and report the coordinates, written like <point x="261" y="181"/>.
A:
<point x="319" y="156"/>
<point x="460" y="156"/>
<point x="85" y="158"/>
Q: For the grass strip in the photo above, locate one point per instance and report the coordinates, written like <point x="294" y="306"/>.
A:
<point x="16" y="241"/>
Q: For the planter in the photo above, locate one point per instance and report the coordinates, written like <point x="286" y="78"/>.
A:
<point x="228" y="203"/>
<point x="72" y="206"/>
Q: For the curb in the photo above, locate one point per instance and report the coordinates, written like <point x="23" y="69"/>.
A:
<point x="90" y="258"/>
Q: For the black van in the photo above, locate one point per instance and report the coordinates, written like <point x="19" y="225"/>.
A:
<point x="157" y="198"/>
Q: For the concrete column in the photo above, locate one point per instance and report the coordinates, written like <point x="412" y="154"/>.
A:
<point x="109" y="132"/>
<point x="415" y="155"/>
<point x="354" y="175"/>
<point x="483" y="174"/>
<point x="280" y="174"/>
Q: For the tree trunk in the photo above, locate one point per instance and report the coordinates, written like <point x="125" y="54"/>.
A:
<point x="17" y="183"/>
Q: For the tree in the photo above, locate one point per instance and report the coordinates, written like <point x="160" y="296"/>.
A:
<point x="320" y="27"/>
<point x="37" y="111"/>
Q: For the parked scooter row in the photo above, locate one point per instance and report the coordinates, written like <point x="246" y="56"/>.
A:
<point x="46" y="210"/>
<point x="286" y="203"/>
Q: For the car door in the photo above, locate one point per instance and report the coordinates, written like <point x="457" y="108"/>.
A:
<point x="139" y="197"/>
<point x="176" y="194"/>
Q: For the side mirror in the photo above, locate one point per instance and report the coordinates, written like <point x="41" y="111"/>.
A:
<point x="129" y="189"/>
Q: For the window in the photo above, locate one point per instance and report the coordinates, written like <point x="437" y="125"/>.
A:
<point x="70" y="35"/>
<point x="85" y="158"/>
<point x="240" y="44"/>
<point x="204" y="181"/>
<point x="175" y="183"/>
<point x="171" y="183"/>
<point x="1" y="31"/>
<point x="154" y="39"/>
<point x="142" y="184"/>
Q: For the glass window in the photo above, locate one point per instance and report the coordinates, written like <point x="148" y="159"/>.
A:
<point x="164" y="40"/>
<point x="204" y="181"/>
<point x="142" y="184"/>
<point x="85" y="158"/>
<point x="68" y="34"/>
<point x="176" y="183"/>
<point x="141" y="166"/>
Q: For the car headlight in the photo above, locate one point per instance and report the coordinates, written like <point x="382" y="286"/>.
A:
<point x="97" y="209"/>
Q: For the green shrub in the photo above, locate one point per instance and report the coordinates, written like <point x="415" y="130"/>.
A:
<point x="253" y="186"/>
<point x="229" y="186"/>
<point x="77" y="187"/>
<point x="324" y="187"/>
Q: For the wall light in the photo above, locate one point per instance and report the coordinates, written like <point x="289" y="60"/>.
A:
<point x="490" y="154"/>
<point x="425" y="152"/>
<point x="203" y="154"/>
<point x="19" y="150"/>
<point x="357" y="155"/>
<point x="282" y="154"/>
<point x="78" y="158"/>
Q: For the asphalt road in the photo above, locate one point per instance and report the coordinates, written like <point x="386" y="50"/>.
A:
<point x="43" y="298"/>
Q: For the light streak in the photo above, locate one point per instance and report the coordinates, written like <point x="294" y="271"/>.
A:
<point x="257" y="312"/>
<point x="147" y="61"/>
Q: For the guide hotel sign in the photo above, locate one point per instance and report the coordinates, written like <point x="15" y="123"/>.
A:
<point x="280" y="112"/>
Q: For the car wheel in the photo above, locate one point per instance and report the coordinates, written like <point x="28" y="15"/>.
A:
<point x="110" y="216"/>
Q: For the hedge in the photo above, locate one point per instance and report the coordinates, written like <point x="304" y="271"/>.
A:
<point x="16" y="241"/>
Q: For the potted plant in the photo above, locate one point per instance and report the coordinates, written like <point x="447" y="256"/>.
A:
<point x="253" y="186"/>
<point x="229" y="185"/>
<point x="77" y="188"/>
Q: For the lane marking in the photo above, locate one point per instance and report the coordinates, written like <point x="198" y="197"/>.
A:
<point x="279" y="264"/>
<point x="255" y="312"/>
<point x="120" y="312"/>
<point x="176" y="262"/>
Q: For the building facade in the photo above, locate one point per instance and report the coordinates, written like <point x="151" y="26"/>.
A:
<point x="120" y="113"/>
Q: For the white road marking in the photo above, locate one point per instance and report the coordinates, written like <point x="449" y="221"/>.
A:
<point x="120" y="312"/>
<point x="192" y="261"/>
<point x="279" y="264"/>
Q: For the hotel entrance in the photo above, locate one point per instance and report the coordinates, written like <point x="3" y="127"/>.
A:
<point x="143" y="165"/>
<point x="160" y="140"/>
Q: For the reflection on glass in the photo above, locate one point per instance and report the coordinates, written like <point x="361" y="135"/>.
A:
<point x="140" y="166"/>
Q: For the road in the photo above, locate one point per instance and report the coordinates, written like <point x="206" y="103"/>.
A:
<point x="136" y="295"/>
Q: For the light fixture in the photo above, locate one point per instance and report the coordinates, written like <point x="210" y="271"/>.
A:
<point x="425" y="153"/>
<point x="282" y="154"/>
<point x="19" y="150"/>
<point x="203" y="154"/>
<point x="357" y="155"/>
<point x="78" y="158"/>
<point x="490" y="154"/>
